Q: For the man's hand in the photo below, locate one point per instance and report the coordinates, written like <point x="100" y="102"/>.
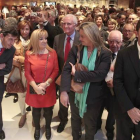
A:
<point x="2" y="66"/>
<point x="64" y="99"/>
<point x="134" y="114"/>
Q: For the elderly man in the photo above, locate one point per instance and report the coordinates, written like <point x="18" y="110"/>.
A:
<point x="132" y="17"/>
<point x="7" y="38"/>
<point x="129" y="36"/>
<point x="115" y="42"/>
<point x="127" y="91"/>
<point x="62" y="44"/>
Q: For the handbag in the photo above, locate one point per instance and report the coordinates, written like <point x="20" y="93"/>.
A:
<point x="17" y="86"/>
<point x="75" y="86"/>
<point x="32" y="91"/>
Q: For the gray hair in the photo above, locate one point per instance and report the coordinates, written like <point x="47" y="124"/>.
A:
<point x="11" y="21"/>
<point x="74" y="18"/>
<point x="130" y="25"/>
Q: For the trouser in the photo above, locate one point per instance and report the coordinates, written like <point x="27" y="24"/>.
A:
<point x="125" y="128"/>
<point x="90" y="119"/>
<point x="48" y="113"/>
<point x="2" y="88"/>
<point x="63" y="112"/>
<point x="108" y="103"/>
<point x="21" y="101"/>
<point x="15" y="76"/>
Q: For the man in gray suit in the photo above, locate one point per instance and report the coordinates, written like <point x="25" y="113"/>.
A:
<point x="60" y="46"/>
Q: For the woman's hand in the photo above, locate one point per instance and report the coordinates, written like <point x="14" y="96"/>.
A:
<point x="16" y="58"/>
<point x="73" y="70"/>
<point x="40" y="90"/>
<point x="2" y="66"/>
<point x="44" y="85"/>
<point x="64" y="99"/>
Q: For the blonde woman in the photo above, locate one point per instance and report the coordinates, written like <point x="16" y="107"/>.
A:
<point x="41" y="66"/>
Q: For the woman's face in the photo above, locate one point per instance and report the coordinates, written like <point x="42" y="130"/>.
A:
<point x="25" y="31"/>
<point x="42" y="42"/>
<point x="99" y="21"/>
<point x="111" y="26"/>
<point x="84" y="39"/>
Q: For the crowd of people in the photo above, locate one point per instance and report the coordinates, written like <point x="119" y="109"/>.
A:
<point x="38" y="45"/>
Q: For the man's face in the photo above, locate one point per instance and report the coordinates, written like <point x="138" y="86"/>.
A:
<point x="8" y="41"/>
<point x="68" y="25"/>
<point x="122" y="19"/>
<point x="128" y="31"/>
<point x="131" y="18"/>
<point x="115" y="42"/>
<point x="137" y="9"/>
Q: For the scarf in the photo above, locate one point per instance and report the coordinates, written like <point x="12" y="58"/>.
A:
<point x="80" y="99"/>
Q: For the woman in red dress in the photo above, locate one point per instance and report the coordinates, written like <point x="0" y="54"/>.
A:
<point x="41" y="66"/>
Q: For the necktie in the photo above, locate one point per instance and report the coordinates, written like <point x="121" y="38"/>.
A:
<point x="2" y="50"/>
<point x="67" y="48"/>
<point x="113" y="56"/>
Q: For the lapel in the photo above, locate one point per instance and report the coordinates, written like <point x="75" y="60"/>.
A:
<point x="76" y="39"/>
<point x="61" y="43"/>
<point x="133" y="54"/>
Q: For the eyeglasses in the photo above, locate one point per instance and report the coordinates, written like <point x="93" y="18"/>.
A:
<point x="127" y="31"/>
<point x="114" y="41"/>
<point x="68" y="24"/>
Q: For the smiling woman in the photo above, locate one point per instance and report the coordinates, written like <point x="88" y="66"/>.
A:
<point x="41" y="66"/>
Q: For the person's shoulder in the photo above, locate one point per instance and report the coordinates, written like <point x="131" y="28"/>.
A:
<point x="106" y="50"/>
<point x="28" y="53"/>
<point x="59" y="35"/>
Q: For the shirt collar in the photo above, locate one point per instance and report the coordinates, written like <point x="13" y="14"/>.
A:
<point x="1" y="45"/>
<point x="71" y="36"/>
<point x="138" y="46"/>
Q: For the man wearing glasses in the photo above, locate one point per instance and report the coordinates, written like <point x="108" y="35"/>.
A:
<point x="126" y="82"/>
<point x="62" y="44"/>
<point x="129" y="36"/>
<point x="114" y="41"/>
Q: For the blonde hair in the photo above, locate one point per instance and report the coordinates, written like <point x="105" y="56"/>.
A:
<point x="92" y="32"/>
<point x="34" y="41"/>
<point x="113" y="21"/>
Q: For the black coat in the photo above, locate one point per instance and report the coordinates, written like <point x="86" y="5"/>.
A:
<point x="127" y="81"/>
<point x="96" y="77"/>
<point x="7" y="58"/>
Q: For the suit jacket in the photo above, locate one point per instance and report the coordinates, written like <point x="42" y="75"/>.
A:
<point x="7" y="58"/>
<point x="59" y="47"/>
<point x="96" y="77"/>
<point x="127" y="81"/>
<point x="52" y="32"/>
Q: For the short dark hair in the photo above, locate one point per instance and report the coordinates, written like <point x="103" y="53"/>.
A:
<point x="9" y="29"/>
<point x="138" y="26"/>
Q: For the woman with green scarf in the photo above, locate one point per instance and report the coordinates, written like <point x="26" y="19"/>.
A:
<point x="97" y="59"/>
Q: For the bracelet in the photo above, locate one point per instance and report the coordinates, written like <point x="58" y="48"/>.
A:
<point x="47" y="84"/>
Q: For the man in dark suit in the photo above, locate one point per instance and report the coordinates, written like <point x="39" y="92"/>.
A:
<point x="127" y="91"/>
<point x="60" y="43"/>
<point x="114" y="41"/>
<point x="7" y="38"/>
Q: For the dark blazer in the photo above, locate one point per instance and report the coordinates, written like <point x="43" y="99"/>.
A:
<point x="7" y="58"/>
<point x="127" y="81"/>
<point x="59" y="47"/>
<point x="52" y="32"/>
<point x="96" y="77"/>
